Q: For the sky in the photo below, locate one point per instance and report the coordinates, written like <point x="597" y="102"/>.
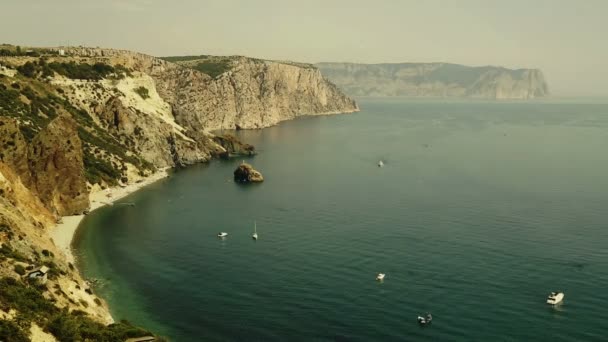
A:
<point x="566" y="39"/>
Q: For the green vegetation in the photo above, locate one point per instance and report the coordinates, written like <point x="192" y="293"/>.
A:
<point x="210" y="65"/>
<point x="10" y="331"/>
<point x="7" y="252"/>
<point x="15" y="51"/>
<point x="10" y="104"/>
<point x="184" y="58"/>
<point x="96" y="170"/>
<point x="19" y="269"/>
<point x="213" y="69"/>
<point x="75" y="326"/>
<point x="80" y="71"/>
<point x="143" y="92"/>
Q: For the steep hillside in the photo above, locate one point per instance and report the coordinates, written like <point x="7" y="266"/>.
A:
<point x="436" y="79"/>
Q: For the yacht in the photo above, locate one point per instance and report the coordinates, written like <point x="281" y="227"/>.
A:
<point x="380" y="163"/>
<point x="222" y="234"/>
<point x="424" y="320"/>
<point x="555" y="298"/>
<point x="380" y="276"/>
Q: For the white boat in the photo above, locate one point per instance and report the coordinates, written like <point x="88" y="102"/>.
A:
<point x="424" y="320"/>
<point x="222" y="234"/>
<point x="380" y="276"/>
<point x="255" y="231"/>
<point x="555" y="298"/>
<point x="380" y="163"/>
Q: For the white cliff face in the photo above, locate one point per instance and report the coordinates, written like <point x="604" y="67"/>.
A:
<point x="436" y="79"/>
<point x="253" y="94"/>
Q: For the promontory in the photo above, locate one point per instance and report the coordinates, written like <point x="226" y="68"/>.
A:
<point x="436" y="80"/>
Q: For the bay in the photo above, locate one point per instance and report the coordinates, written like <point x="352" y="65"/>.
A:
<point x="482" y="209"/>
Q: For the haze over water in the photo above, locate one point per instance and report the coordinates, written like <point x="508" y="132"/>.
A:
<point x="481" y="210"/>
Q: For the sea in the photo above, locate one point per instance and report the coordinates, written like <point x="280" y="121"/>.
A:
<point x="481" y="209"/>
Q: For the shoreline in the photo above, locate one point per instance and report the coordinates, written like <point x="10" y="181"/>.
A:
<point x="62" y="234"/>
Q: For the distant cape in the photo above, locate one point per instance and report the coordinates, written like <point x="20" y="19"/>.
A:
<point x="436" y="80"/>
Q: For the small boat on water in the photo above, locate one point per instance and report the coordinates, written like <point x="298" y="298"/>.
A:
<point x="380" y="163"/>
<point x="424" y="320"/>
<point x="222" y="234"/>
<point x="555" y="298"/>
<point x="255" y="231"/>
<point x="380" y="276"/>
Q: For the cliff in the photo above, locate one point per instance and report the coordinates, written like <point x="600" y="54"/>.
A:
<point x="92" y="119"/>
<point x="436" y="80"/>
<point x="248" y="93"/>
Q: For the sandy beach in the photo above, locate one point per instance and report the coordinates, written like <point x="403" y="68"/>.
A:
<point x="63" y="233"/>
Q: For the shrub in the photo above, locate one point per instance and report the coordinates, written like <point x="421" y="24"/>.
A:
<point x="28" y="69"/>
<point x="20" y="270"/>
<point x="143" y="92"/>
<point x="8" y="252"/>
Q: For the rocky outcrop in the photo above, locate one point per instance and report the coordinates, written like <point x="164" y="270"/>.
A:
<point x="233" y="147"/>
<point x="13" y="149"/>
<point x="56" y="163"/>
<point x="245" y="173"/>
<point x="436" y="79"/>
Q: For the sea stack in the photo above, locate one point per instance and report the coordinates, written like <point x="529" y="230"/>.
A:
<point x="245" y="173"/>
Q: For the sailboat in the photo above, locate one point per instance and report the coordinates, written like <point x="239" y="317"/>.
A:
<point x="255" y="231"/>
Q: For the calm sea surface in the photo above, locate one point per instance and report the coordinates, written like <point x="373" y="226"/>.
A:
<point x="480" y="211"/>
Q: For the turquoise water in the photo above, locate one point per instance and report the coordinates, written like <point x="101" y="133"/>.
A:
<point x="482" y="208"/>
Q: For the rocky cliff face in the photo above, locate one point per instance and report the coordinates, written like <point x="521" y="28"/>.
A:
<point x="51" y="166"/>
<point x="436" y="79"/>
<point x="251" y="94"/>
<point x="56" y="163"/>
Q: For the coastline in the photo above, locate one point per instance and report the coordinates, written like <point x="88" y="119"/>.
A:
<point x="63" y="233"/>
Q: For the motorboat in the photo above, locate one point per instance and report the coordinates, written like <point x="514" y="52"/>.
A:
<point x="380" y="163"/>
<point x="426" y="319"/>
<point x="555" y="298"/>
<point x="380" y="276"/>
<point x="255" y="231"/>
<point x="222" y="234"/>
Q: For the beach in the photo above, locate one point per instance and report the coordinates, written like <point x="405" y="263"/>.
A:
<point x="63" y="233"/>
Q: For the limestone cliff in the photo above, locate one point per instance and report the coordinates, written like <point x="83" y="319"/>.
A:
<point x="251" y="93"/>
<point x="436" y="79"/>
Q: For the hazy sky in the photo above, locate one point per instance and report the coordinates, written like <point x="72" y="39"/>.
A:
<point x="568" y="40"/>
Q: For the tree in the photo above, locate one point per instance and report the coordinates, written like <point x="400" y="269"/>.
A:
<point x="28" y="69"/>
